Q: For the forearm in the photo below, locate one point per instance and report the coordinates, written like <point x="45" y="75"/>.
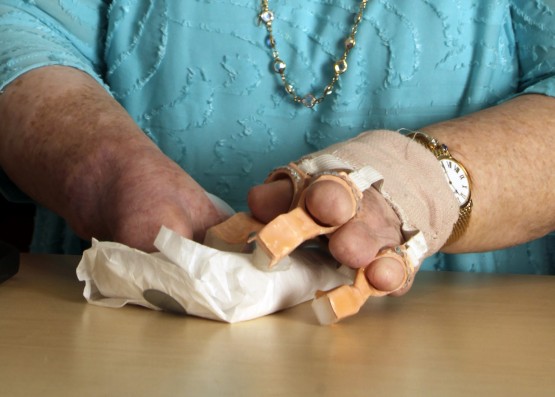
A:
<point x="507" y="150"/>
<point x="64" y="139"/>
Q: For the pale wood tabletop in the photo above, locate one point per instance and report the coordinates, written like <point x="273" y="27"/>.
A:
<point x="454" y="334"/>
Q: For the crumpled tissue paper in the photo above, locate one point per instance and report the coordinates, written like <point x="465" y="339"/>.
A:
<point x="188" y="277"/>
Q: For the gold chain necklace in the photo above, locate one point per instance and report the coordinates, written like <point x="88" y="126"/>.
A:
<point x="266" y="16"/>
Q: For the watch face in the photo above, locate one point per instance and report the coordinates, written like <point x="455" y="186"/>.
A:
<point x="458" y="180"/>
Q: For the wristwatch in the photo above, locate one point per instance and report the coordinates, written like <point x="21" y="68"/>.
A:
<point x="457" y="176"/>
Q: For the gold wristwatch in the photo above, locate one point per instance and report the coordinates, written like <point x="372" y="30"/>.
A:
<point x="457" y="176"/>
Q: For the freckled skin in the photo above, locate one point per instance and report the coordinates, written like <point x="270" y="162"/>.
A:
<point x="88" y="161"/>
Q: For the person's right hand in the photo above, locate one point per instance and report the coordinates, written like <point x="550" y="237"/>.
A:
<point x="75" y="150"/>
<point x="149" y="192"/>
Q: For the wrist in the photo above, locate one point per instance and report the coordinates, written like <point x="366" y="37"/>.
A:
<point x="457" y="177"/>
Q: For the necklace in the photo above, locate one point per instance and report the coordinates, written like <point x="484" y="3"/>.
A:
<point x="309" y="100"/>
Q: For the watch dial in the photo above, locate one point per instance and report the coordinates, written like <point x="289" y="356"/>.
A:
<point x="458" y="180"/>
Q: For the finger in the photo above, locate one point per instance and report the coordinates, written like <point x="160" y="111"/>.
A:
<point x="141" y="231"/>
<point x="404" y="289"/>
<point x="375" y="226"/>
<point x="270" y="200"/>
<point x="387" y="274"/>
<point x="354" y="245"/>
<point x="329" y="203"/>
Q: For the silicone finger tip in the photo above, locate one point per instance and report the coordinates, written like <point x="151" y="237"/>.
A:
<point x="384" y="276"/>
<point x="261" y="259"/>
<point x="324" y="311"/>
<point x="263" y="262"/>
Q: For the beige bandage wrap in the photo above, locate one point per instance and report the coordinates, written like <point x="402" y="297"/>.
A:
<point x="408" y="176"/>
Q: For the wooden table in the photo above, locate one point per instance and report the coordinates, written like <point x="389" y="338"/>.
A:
<point x="454" y="334"/>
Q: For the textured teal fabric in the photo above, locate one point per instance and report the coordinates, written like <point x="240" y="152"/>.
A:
<point x="196" y="76"/>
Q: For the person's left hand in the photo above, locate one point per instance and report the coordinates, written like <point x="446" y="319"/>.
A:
<point x="355" y="244"/>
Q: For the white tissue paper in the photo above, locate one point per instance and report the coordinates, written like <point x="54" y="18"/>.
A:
<point x="188" y="277"/>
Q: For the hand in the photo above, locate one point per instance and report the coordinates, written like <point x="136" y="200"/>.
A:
<point x="151" y="191"/>
<point x="375" y="226"/>
<point x="87" y="160"/>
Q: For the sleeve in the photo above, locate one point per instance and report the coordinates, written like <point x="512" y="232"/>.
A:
<point x="46" y="32"/>
<point x="534" y="28"/>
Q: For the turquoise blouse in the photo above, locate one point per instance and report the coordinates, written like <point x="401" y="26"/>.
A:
<point x="197" y="76"/>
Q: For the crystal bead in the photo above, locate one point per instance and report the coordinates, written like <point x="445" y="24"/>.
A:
<point x="270" y="42"/>
<point x="309" y="101"/>
<point x="266" y="16"/>
<point x="279" y="66"/>
<point x="328" y="90"/>
<point x="290" y="89"/>
<point x="340" y="66"/>
<point x="350" y="43"/>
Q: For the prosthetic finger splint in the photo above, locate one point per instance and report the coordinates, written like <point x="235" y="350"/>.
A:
<point x="402" y="170"/>
<point x="345" y="301"/>
<point x="287" y="231"/>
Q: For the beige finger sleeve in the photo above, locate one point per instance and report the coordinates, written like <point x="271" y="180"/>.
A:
<point x="412" y="182"/>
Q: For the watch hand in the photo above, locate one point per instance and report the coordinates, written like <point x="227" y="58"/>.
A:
<point x="446" y="173"/>
<point x="451" y="185"/>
